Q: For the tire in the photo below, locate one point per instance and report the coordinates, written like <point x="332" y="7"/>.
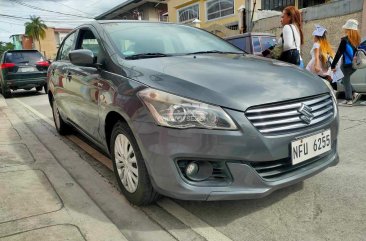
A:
<point x="5" y="93"/>
<point x="39" y="88"/>
<point x="130" y="169"/>
<point x="61" y="127"/>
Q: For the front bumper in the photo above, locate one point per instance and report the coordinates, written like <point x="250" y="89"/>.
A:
<point x="162" y="147"/>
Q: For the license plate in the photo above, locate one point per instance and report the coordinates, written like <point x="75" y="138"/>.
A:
<point x="30" y="69"/>
<point x="311" y="146"/>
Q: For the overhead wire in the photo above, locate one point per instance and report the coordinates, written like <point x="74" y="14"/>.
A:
<point x="46" y="10"/>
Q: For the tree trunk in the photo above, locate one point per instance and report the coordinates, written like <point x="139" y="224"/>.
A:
<point x="39" y="42"/>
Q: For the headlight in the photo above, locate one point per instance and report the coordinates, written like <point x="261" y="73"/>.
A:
<point x="178" y="112"/>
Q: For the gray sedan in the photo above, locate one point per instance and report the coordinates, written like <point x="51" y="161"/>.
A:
<point x="185" y="114"/>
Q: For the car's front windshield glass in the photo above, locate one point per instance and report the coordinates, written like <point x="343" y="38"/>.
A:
<point x="133" y="39"/>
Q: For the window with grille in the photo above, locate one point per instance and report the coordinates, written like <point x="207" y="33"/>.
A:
<point x="188" y="14"/>
<point x="219" y="8"/>
<point x="279" y="5"/>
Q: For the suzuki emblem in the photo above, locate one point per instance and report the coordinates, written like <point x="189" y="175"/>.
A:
<point x="306" y="116"/>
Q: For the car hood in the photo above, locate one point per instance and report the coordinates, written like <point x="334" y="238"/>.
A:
<point x="228" y="80"/>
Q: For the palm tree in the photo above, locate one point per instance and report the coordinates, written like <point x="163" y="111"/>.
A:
<point x="36" y="29"/>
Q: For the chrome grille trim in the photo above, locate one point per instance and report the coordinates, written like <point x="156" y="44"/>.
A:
<point x="284" y="117"/>
<point x="287" y="106"/>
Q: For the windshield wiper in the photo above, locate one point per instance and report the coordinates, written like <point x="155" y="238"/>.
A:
<point x="214" y="52"/>
<point x="147" y="55"/>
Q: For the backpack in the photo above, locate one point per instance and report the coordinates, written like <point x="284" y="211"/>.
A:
<point x="359" y="60"/>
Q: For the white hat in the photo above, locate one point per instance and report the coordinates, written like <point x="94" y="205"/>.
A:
<point x="351" y="24"/>
<point x="319" y="30"/>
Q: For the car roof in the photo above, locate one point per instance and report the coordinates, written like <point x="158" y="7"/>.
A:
<point x="250" y="34"/>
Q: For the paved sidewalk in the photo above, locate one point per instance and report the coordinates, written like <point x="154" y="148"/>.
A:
<point x="39" y="200"/>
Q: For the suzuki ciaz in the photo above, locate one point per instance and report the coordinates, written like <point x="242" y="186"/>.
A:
<point x="186" y="114"/>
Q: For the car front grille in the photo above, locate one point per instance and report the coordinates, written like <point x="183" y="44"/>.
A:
<point x="290" y="116"/>
<point x="279" y="169"/>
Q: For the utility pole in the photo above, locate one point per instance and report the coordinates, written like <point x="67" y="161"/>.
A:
<point x="297" y="4"/>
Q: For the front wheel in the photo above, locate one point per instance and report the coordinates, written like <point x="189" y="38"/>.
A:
<point x="39" y="88"/>
<point x="129" y="167"/>
<point x="61" y="127"/>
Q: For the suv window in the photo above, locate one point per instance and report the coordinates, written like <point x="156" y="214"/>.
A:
<point x="66" y="47"/>
<point x="23" y="57"/>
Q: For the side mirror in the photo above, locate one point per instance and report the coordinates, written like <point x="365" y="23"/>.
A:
<point x="82" y="57"/>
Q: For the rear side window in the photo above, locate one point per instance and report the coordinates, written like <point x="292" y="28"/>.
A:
<point x="24" y="57"/>
<point x="267" y="42"/>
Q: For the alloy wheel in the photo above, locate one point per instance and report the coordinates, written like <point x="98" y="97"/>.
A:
<point x="126" y="163"/>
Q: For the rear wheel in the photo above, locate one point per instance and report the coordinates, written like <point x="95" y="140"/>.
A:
<point x="4" y="92"/>
<point x="129" y="167"/>
<point x="39" y="88"/>
<point x="61" y="127"/>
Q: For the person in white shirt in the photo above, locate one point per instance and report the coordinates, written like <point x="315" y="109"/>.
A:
<point x="292" y="35"/>
<point x="322" y="54"/>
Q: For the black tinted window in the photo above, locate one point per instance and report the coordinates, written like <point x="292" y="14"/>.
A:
<point x="238" y="42"/>
<point x="23" y="57"/>
<point x="66" y="47"/>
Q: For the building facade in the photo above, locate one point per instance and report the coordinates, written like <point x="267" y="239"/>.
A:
<point x="210" y="14"/>
<point x="148" y="10"/>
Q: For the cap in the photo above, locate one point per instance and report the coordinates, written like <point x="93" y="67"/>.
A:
<point x="319" y="30"/>
<point x="351" y="24"/>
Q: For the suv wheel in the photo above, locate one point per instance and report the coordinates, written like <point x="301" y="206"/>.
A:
<point x="129" y="167"/>
<point x="61" y="127"/>
<point x="4" y="92"/>
<point x="39" y="88"/>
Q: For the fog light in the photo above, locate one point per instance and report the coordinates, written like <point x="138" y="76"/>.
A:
<point x="198" y="171"/>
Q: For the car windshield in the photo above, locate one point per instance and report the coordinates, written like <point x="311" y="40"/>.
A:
<point x="136" y="39"/>
<point x="23" y="57"/>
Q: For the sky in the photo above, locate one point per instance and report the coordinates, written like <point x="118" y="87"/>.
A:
<point x="71" y="13"/>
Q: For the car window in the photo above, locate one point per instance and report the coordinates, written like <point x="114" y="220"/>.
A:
<point x="256" y="45"/>
<point x="66" y="47"/>
<point x="129" y="38"/>
<point x="23" y="57"/>
<point x="88" y="40"/>
<point x="267" y="42"/>
<point x="238" y="42"/>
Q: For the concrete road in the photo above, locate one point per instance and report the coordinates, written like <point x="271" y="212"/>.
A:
<point x="329" y="206"/>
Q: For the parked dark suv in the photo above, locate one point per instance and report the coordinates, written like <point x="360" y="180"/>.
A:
<point x="22" y="69"/>
<point x="185" y="114"/>
<point x="253" y="43"/>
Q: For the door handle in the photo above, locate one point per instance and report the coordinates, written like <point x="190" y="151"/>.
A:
<point x="69" y="76"/>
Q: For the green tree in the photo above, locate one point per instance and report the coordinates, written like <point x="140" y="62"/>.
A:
<point x="4" y="46"/>
<point x="36" y="29"/>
